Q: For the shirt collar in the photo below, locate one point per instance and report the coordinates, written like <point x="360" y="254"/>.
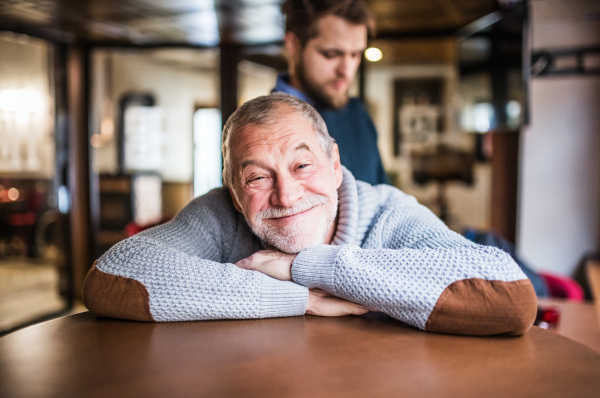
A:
<point x="283" y="86"/>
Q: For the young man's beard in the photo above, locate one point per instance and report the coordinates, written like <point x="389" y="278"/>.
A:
<point x="317" y="94"/>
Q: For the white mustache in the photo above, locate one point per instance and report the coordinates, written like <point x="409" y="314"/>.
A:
<point x="302" y="205"/>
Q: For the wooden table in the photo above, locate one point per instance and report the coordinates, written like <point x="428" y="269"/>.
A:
<point x="367" y="356"/>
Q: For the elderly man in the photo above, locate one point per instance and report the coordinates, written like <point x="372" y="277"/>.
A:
<point x="294" y="233"/>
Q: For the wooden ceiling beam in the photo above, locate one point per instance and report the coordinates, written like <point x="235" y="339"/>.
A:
<point x="452" y="12"/>
<point x="140" y="21"/>
<point x="428" y="34"/>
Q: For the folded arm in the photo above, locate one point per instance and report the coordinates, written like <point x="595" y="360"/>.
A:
<point x="179" y="272"/>
<point x="425" y="287"/>
<point x="413" y="268"/>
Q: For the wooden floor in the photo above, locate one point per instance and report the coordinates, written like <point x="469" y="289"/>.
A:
<point x="28" y="290"/>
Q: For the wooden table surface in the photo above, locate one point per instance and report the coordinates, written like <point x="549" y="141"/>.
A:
<point x="367" y="356"/>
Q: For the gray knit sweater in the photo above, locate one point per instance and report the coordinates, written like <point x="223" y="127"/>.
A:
<point x="389" y="253"/>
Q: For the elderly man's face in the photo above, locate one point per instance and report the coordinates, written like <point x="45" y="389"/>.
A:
<point x="327" y="64"/>
<point x="285" y="184"/>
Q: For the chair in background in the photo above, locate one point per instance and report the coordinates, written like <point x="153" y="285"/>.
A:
<point x="562" y="286"/>
<point x="443" y="165"/>
<point x="592" y="268"/>
<point x="593" y="274"/>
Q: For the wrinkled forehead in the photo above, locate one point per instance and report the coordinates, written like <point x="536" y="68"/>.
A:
<point x="283" y="129"/>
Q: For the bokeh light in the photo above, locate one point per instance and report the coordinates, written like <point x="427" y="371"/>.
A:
<point x="373" y="54"/>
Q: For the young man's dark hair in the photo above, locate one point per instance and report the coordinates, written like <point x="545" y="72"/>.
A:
<point x="302" y="15"/>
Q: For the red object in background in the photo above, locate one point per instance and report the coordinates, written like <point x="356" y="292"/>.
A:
<point x="547" y="318"/>
<point x="132" y="228"/>
<point x="563" y="287"/>
<point x="551" y="315"/>
<point x="21" y="219"/>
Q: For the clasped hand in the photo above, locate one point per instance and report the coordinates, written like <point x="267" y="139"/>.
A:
<point x="279" y="266"/>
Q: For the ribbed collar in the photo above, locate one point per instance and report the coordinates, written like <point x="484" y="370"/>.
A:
<point x="345" y="233"/>
<point x="359" y="203"/>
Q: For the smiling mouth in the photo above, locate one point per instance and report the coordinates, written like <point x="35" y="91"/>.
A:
<point x="292" y="215"/>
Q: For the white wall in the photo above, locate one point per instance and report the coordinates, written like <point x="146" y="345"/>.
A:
<point x="254" y="80"/>
<point x="176" y="90"/>
<point x="559" y="204"/>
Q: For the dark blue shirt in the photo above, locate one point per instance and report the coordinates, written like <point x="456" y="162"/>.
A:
<point x="353" y="130"/>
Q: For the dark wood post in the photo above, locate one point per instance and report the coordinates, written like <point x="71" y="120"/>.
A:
<point x="505" y="176"/>
<point x="505" y="144"/>
<point x="82" y="243"/>
<point x="230" y="56"/>
<point x="361" y="78"/>
<point x="61" y="178"/>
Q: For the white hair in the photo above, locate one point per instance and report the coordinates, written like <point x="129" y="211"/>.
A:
<point x="265" y="111"/>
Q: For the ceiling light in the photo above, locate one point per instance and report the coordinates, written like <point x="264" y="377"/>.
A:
<point x="373" y="54"/>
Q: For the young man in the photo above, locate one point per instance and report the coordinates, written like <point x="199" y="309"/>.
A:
<point x="324" y="41"/>
<point x="293" y="219"/>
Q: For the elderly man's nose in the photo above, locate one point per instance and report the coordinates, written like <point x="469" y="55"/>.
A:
<point x="286" y="193"/>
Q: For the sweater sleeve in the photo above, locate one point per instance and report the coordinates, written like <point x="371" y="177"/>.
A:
<point x="176" y="272"/>
<point x="413" y="268"/>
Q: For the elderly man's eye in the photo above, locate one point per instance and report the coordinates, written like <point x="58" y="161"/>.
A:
<point x="254" y="179"/>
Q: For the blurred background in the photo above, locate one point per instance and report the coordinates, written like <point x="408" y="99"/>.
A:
<point x="488" y="112"/>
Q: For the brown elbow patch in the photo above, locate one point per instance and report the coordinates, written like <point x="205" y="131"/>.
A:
<point x="481" y="307"/>
<point x="116" y="296"/>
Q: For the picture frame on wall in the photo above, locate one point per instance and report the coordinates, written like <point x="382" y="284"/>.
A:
<point x="419" y="111"/>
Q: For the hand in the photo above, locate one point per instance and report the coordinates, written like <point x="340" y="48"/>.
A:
<point x="322" y="303"/>
<point x="270" y="262"/>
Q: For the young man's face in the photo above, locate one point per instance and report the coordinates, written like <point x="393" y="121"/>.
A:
<point x="285" y="184"/>
<point x="327" y="64"/>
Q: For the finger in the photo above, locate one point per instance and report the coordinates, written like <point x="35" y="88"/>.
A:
<point x="359" y="310"/>
<point x="319" y="292"/>
<point x="244" y="263"/>
<point x="322" y="293"/>
<point x="354" y="309"/>
<point x="269" y="252"/>
<point x="256" y="258"/>
<point x="334" y="306"/>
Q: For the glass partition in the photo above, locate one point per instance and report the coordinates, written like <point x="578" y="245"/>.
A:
<point x="33" y="281"/>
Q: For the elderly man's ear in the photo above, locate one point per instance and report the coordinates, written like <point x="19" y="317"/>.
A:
<point x="236" y="204"/>
<point x="337" y="165"/>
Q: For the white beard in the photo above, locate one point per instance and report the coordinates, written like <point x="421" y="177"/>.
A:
<point x="297" y="237"/>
